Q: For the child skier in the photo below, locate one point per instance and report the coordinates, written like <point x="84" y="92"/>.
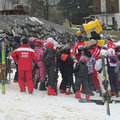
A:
<point x="49" y="60"/>
<point x="111" y="71"/>
<point x="15" y="46"/>
<point x="31" y="42"/>
<point x="25" y="55"/>
<point x="67" y="67"/>
<point x="41" y="72"/>
<point x="90" y="64"/>
<point x="117" y="69"/>
<point x="98" y="68"/>
<point x="81" y="73"/>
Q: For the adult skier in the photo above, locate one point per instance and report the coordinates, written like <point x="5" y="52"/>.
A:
<point x="25" y="55"/>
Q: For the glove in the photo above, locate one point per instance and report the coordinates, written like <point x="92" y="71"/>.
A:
<point x="76" y="54"/>
<point x="35" y="67"/>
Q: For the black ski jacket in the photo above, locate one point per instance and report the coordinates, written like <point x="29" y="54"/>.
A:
<point x="81" y="69"/>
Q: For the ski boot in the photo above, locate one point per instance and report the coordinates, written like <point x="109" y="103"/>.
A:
<point x="62" y="91"/>
<point x="87" y="96"/>
<point x="42" y="85"/>
<point x="91" y="93"/>
<point x="51" y="91"/>
<point x="98" y="91"/>
<point x="15" y="81"/>
<point x="117" y="94"/>
<point x="78" y="95"/>
<point x="68" y="92"/>
<point x="113" y="93"/>
<point x="36" y="83"/>
<point x="30" y="92"/>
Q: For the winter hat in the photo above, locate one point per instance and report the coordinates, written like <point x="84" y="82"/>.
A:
<point x="108" y="39"/>
<point x="103" y="53"/>
<point x="111" y="52"/>
<point x="93" y="41"/>
<point x="2" y="36"/>
<point x="25" y="41"/>
<point x="119" y="56"/>
<point x="79" y="38"/>
<point x="17" y="38"/>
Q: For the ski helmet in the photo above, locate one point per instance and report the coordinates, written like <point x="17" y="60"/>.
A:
<point x="17" y="38"/>
<point x="103" y="47"/>
<point x="80" y="48"/>
<point x="117" y="48"/>
<point x="39" y="43"/>
<point x="49" y="45"/>
<point x="66" y="50"/>
<point x="103" y="53"/>
<point x="119" y="56"/>
<point x="86" y="48"/>
<point x="60" y="48"/>
<point x="2" y="36"/>
<point x="50" y="39"/>
<point x="84" y="58"/>
<point x="32" y="40"/>
<point x="111" y="52"/>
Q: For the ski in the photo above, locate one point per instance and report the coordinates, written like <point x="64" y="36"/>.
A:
<point x="98" y="102"/>
<point x="3" y="68"/>
<point x="106" y="96"/>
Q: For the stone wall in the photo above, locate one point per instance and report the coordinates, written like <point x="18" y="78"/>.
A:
<point x="33" y="27"/>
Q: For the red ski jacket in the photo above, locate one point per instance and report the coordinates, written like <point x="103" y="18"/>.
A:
<point x="75" y="47"/>
<point x="25" y="55"/>
<point x="111" y="45"/>
<point x="95" y="50"/>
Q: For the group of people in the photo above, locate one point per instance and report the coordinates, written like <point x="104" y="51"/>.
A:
<point x="84" y="62"/>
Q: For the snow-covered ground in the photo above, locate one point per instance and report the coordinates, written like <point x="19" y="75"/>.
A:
<point x="15" y="105"/>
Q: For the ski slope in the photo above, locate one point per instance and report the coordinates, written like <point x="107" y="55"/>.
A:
<point x="15" y="105"/>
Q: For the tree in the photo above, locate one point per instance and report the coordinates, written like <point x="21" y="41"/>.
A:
<point x="67" y="6"/>
<point x="75" y="9"/>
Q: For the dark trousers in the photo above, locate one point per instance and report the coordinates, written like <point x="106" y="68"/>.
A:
<point x="78" y="81"/>
<point x="67" y="81"/>
<point x="113" y="80"/>
<point x="51" y="77"/>
<point x="90" y="81"/>
<point x="16" y="73"/>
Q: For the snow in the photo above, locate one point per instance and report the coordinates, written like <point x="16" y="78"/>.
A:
<point x="15" y="105"/>
<point x="34" y="19"/>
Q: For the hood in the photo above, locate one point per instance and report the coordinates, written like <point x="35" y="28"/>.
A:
<point x="83" y="62"/>
<point x="88" y="54"/>
<point x="113" y="59"/>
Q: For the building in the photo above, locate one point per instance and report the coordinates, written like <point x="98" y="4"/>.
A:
<point x="8" y="7"/>
<point x="108" y="12"/>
